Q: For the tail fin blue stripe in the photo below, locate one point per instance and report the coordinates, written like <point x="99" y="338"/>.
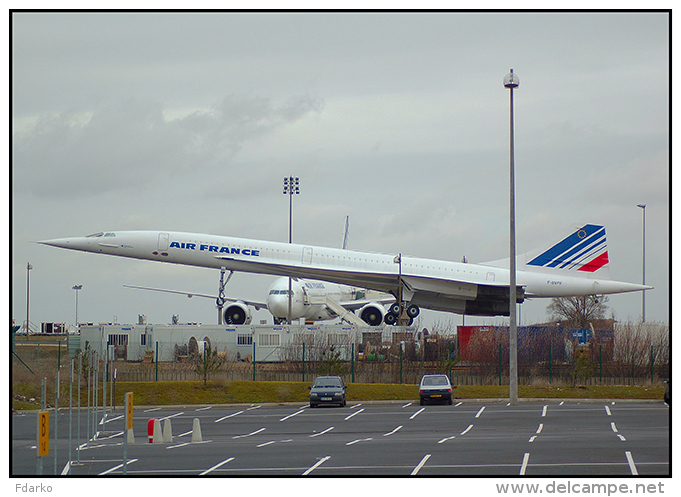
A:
<point x="590" y="243"/>
<point x="580" y="238"/>
<point x="585" y="253"/>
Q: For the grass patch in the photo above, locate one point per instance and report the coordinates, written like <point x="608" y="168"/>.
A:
<point x="249" y="392"/>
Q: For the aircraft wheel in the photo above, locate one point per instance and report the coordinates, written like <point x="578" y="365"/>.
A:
<point x="395" y="309"/>
<point x="413" y="311"/>
<point x="390" y="318"/>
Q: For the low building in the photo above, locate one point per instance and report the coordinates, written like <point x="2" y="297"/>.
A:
<point x="178" y="342"/>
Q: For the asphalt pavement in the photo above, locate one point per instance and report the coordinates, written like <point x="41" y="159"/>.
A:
<point x="470" y="438"/>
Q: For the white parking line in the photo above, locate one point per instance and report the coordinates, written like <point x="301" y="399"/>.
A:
<point x="543" y="411"/>
<point x="417" y="413"/>
<point x="407" y="405"/>
<point x="316" y="465"/>
<point x="249" y="434"/>
<point x="171" y="416"/>
<point x="266" y="443"/>
<point x="621" y="437"/>
<point x="391" y="432"/>
<point x="216" y="466"/>
<point x="457" y="405"/>
<point x="614" y="428"/>
<point x="111" y="470"/>
<point x="321" y="432"/>
<point x="178" y="445"/>
<point x="607" y="411"/>
<point x="541" y="427"/>
<point x="467" y="430"/>
<point x="523" y="467"/>
<point x="291" y="415"/>
<point x="480" y="412"/>
<point x="355" y="406"/>
<point x="253" y="407"/>
<point x="204" y="408"/>
<point x="359" y="440"/>
<point x="353" y="414"/>
<point x="228" y="416"/>
<point x="420" y="465"/>
<point x="445" y="439"/>
<point x="632" y="466"/>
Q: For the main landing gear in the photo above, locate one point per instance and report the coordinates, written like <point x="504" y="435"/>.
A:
<point x="401" y="317"/>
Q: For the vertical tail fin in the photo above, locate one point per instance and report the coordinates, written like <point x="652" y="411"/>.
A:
<point x="584" y="250"/>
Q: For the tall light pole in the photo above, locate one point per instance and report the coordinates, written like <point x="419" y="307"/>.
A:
<point x="512" y="82"/>
<point x="28" y="279"/>
<point x="77" y="288"/>
<point x="643" y="293"/>
<point x="291" y="187"/>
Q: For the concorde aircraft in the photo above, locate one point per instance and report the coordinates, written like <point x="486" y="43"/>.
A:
<point x="310" y="299"/>
<point x="576" y="264"/>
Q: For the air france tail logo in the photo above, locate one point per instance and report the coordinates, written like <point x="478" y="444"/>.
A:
<point x="214" y="248"/>
<point x="583" y="250"/>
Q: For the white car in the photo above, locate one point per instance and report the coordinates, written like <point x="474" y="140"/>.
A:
<point x="435" y="387"/>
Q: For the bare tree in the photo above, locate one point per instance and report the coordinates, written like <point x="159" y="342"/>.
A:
<point x="578" y="312"/>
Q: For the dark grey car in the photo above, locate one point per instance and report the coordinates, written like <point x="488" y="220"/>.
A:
<point x="327" y="390"/>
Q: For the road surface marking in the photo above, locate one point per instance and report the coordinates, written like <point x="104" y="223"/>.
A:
<point x="467" y="430"/>
<point x="249" y="434"/>
<point x="316" y="465"/>
<point x="359" y="440"/>
<point x="111" y="470"/>
<point x="321" y="432"/>
<point x="632" y="466"/>
<point x="353" y="414"/>
<point x="480" y="412"/>
<point x="420" y="465"/>
<point x="216" y="466"/>
<point x="394" y="431"/>
<point x="417" y="413"/>
<point x="228" y="416"/>
<point x="526" y="459"/>
<point x="291" y="415"/>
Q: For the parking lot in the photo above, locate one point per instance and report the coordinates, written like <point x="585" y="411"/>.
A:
<point x="473" y="438"/>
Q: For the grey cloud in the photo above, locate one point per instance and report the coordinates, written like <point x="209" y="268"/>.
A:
<point x="127" y="145"/>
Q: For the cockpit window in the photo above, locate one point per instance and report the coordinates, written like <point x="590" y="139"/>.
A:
<point x="95" y="235"/>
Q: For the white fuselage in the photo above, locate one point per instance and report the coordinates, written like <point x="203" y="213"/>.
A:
<point x="440" y="285"/>
<point x="308" y="298"/>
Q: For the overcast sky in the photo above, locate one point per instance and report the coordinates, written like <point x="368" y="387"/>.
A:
<point x="190" y="122"/>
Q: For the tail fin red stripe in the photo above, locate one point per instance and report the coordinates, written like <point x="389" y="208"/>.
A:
<point x="595" y="264"/>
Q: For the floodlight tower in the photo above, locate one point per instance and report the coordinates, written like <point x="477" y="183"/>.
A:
<point x="291" y="187"/>
<point x="512" y="82"/>
<point x="77" y="288"/>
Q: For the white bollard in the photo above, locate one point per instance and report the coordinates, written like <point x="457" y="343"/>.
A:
<point x="167" y="432"/>
<point x="131" y="436"/>
<point x="158" y="436"/>
<point x="196" y="432"/>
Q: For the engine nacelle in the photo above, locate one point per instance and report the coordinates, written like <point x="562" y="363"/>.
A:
<point x="372" y="314"/>
<point x="238" y="313"/>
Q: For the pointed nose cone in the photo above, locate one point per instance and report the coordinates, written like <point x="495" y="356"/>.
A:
<point x="76" y="243"/>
